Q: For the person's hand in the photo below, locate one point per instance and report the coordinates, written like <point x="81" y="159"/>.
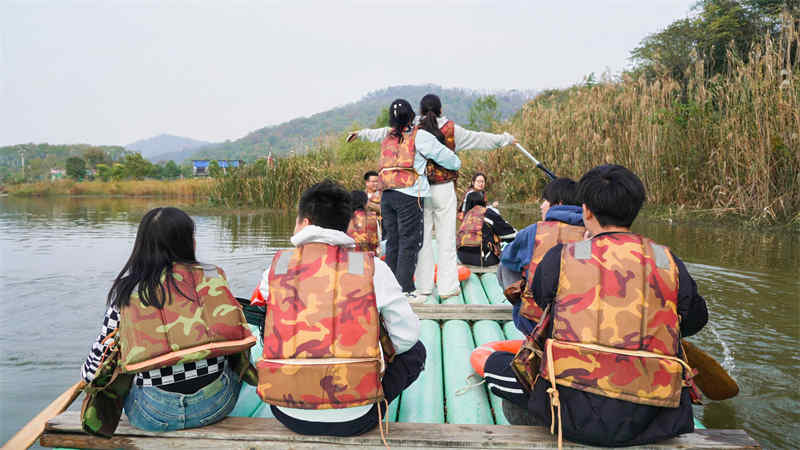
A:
<point x="352" y="136"/>
<point x="495" y="204"/>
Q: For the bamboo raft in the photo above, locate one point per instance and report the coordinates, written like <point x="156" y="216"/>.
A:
<point x="431" y="413"/>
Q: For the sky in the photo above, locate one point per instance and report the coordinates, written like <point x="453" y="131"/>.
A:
<point x="112" y="72"/>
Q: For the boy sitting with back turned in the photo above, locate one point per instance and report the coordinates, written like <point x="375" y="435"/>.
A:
<point x="322" y="370"/>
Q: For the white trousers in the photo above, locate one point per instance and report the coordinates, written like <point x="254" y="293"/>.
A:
<point x="439" y="213"/>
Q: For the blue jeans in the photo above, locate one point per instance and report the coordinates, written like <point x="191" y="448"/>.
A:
<point x="152" y="409"/>
<point x="402" y="225"/>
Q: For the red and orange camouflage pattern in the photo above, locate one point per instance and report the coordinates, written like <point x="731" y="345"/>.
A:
<point x="436" y="173"/>
<point x="185" y="330"/>
<point x="548" y="234"/>
<point x="470" y="233"/>
<point x="321" y="335"/>
<point x="615" y="322"/>
<point x="397" y="161"/>
<point x="363" y="228"/>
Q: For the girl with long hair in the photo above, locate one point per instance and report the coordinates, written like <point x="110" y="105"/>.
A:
<point x="441" y="204"/>
<point x="174" y="321"/>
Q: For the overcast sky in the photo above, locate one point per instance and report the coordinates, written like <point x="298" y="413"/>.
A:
<point x="113" y="72"/>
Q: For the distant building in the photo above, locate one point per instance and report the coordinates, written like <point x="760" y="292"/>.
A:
<point x="200" y="166"/>
<point x="57" y="174"/>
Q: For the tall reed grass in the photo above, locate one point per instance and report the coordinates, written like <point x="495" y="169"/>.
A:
<point x="726" y="144"/>
<point x="196" y="188"/>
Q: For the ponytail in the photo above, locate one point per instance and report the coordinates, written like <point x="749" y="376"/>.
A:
<point x="431" y="109"/>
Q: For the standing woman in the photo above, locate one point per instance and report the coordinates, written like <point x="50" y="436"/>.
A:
<point x="175" y="321"/>
<point x="441" y="204"/>
<point x="405" y="152"/>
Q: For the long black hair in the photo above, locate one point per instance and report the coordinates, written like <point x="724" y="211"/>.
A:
<point x="165" y="237"/>
<point x="358" y="200"/>
<point x="475" y="198"/>
<point x="401" y="115"/>
<point x="430" y="109"/>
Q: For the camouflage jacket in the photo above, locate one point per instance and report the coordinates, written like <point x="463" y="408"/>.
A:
<point x="615" y="327"/>
<point x="363" y="229"/>
<point x="397" y="161"/>
<point x="321" y="334"/>
<point x="184" y="330"/>
<point x="548" y="235"/>
<point x="436" y="173"/>
<point x="470" y="233"/>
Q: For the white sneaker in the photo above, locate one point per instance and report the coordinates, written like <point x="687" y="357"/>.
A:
<point x="415" y="298"/>
<point x="452" y="294"/>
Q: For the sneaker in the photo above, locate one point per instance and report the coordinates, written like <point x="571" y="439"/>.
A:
<point x="452" y="294"/>
<point x="415" y="298"/>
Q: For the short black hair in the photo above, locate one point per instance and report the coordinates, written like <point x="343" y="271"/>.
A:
<point x="358" y="200"/>
<point x="370" y="173"/>
<point x="562" y="191"/>
<point x="613" y="194"/>
<point x="327" y="205"/>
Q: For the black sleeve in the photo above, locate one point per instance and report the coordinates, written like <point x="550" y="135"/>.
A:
<point x="691" y="306"/>
<point x="545" y="279"/>
<point x="500" y="227"/>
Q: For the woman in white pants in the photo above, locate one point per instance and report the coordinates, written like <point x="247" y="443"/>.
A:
<point x="440" y="208"/>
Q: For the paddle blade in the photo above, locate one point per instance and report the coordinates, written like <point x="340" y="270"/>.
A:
<point x="711" y="378"/>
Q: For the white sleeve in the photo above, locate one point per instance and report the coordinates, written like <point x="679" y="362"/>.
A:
<point x="400" y="321"/>
<point x="480" y="140"/>
<point x="373" y="134"/>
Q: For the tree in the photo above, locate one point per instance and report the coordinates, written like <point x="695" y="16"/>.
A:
<point x="136" y="166"/>
<point x="103" y="171"/>
<point x="171" y="170"/>
<point x="76" y="168"/>
<point x="117" y="172"/>
<point x="383" y="119"/>
<point x="214" y="170"/>
<point x="95" y="156"/>
<point x="483" y="113"/>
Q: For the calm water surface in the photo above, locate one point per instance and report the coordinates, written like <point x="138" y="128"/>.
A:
<point x="58" y="258"/>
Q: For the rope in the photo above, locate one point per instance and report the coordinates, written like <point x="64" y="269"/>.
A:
<point x="555" y="403"/>
<point x="470" y="385"/>
<point x="380" y="423"/>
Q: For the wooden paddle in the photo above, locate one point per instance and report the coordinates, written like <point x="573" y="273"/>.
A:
<point x="31" y="432"/>
<point x="711" y="377"/>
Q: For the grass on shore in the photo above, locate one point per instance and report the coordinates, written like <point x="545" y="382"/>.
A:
<point x="198" y="188"/>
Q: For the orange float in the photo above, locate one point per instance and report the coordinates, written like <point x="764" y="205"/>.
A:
<point x="463" y="273"/>
<point x="481" y="354"/>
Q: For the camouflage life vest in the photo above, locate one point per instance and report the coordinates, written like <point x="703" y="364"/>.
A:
<point x="184" y="330"/>
<point x="470" y="233"/>
<point x="548" y="234"/>
<point x="615" y="322"/>
<point x="436" y="173"/>
<point x="321" y="335"/>
<point x="363" y="229"/>
<point x="397" y="161"/>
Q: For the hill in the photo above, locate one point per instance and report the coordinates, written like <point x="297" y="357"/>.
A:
<point x="296" y="133"/>
<point x="165" y="147"/>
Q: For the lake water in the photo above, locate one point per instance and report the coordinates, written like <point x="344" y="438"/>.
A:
<point x="59" y="256"/>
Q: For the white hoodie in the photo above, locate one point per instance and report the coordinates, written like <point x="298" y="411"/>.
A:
<point x="401" y="323"/>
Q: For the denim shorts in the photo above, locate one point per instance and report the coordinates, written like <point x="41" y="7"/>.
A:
<point x="152" y="409"/>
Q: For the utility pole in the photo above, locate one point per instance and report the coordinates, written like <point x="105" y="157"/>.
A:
<point x="22" y="157"/>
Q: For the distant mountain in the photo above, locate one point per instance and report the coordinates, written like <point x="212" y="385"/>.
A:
<point x="296" y="133"/>
<point x="165" y="147"/>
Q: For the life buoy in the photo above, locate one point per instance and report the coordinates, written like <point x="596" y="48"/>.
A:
<point x="481" y="354"/>
<point x="463" y="273"/>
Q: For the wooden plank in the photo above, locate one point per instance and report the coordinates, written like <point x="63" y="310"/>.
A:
<point x="244" y="432"/>
<point x="463" y="312"/>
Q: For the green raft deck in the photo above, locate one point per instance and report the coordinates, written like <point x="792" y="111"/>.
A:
<point x="434" y="412"/>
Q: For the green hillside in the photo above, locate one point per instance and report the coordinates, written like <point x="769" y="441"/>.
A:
<point x="40" y="158"/>
<point x="296" y="133"/>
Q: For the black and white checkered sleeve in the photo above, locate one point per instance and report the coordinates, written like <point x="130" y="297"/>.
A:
<point x="110" y="323"/>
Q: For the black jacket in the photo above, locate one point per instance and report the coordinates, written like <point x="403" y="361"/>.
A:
<point x="498" y="227"/>
<point x="597" y="420"/>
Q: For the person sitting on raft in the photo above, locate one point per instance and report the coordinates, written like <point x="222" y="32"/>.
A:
<point x="364" y="228"/>
<point x="562" y="222"/>
<point x="183" y="379"/>
<point x="441" y="203"/>
<point x="628" y="384"/>
<point x="481" y="233"/>
<point x="322" y="286"/>
<point x="478" y="184"/>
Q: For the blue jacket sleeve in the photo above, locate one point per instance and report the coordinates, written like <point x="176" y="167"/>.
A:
<point x="518" y="252"/>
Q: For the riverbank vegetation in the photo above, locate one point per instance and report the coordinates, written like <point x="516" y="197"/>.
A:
<point x="192" y="188"/>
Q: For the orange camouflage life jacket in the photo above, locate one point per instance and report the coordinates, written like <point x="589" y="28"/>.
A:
<point x="397" y="161"/>
<point x="363" y="228"/>
<point x="615" y="322"/>
<point x="436" y="173"/>
<point x="548" y="234"/>
<point x="321" y="334"/>
<point x="470" y="233"/>
<point x="186" y="329"/>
